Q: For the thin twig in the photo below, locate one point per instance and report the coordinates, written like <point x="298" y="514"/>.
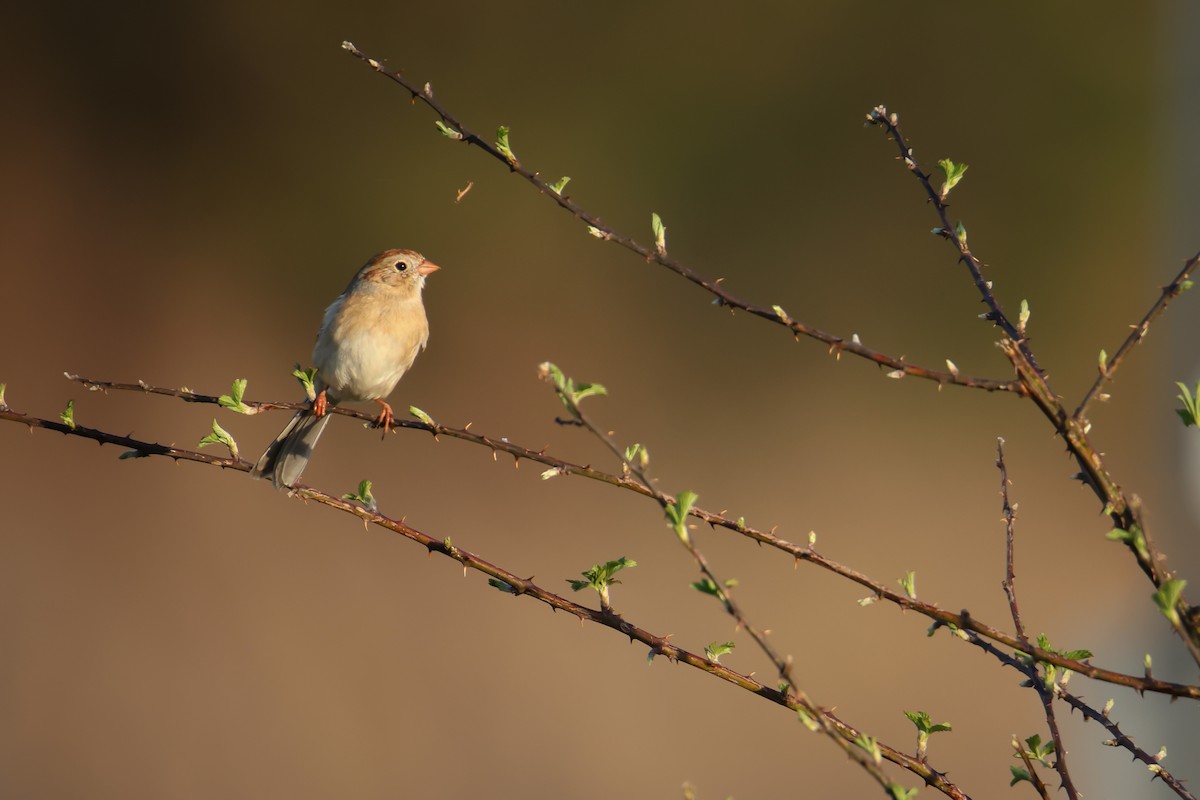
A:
<point x="782" y="664"/>
<point x="1123" y="510"/>
<point x="1169" y="293"/>
<point x="842" y="734"/>
<point x="837" y="344"/>
<point x="806" y="553"/>
<point x="1038" y="681"/>
<point x="995" y="314"/>
<point x="1119" y="739"/>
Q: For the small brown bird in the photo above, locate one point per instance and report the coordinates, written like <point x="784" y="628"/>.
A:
<point x="370" y="336"/>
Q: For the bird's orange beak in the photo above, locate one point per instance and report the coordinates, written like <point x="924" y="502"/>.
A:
<point x="427" y="267"/>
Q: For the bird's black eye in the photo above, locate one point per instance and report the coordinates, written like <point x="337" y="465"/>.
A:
<point x="401" y="266"/>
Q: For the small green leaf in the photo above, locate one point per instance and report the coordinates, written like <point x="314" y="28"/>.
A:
<point x="921" y="720"/>
<point x="68" y="415"/>
<point x="306" y="378"/>
<point x="960" y="232"/>
<point x="660" y="234"/>
<point x="501" y="585"/>
<point x="909" y="584"/>
<point x="714" y="650"/>
<point x="447" y="131"/>
<point x="599" y="234"/>
<point x="363" y="496"/>
<point x="677" y="514"/>
<point x="706" y="585"/>
<point x="899" y="792"/>
<point x="1103" y="361"/>
<point x="421" y="415"/>
<point x="220" y="436"/>
<point x="1023" y="319"/>
<point x="1077" y="655"/>
<point x="783" y="315"/>
<point x="502" y="145"/>
<point x="1167" y="597"/>
<point x="233" y="400"/>
<point x="584" y="390"/>
<point x="601" y="577"/>
<point x="1189" y="414"/>
<point x="560" y="184"/>
<point x="569" y="392"/>
<point x="1183" y="287"/>
<point x="954" y="174"/>
<point x="3" y="386"/>
<point x="1019" y="774"/>
<point x="1132" y="537"/>
<point x="132" y="454"/>
<point x="637" y="454"/>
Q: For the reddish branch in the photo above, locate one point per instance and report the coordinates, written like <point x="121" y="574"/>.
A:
<point x="1031" y="381"/>
<point x="716" y="288"/>
<point x="955" y="619"/>
<point x="841" y="733"/>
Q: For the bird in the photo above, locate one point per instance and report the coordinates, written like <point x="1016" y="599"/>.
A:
<point x="369" y="337"/>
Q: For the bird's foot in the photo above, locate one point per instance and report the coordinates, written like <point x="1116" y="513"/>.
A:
<point x="321" y="404"/>
<point x="385" y="418"/>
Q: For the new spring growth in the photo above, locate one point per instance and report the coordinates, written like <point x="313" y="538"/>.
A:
<point x="1189" y="414"/>
<point x="925" y="728"/>
<point x="364" y="497"/>
<point x="233" y="400"/>
<point x="570" y="392"/>
<point x="660" y="234"/>
<point x="601" y="577"/>
<point x="502" y="146"/>
<point x="68" y="415"/>
<point x="954" y="173"/>
<point x="306" y="378"/>
<point x="220" y="436"/>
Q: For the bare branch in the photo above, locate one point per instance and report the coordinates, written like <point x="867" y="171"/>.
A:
<point x="837" y="344"/>
<point x="1169" y="293"/>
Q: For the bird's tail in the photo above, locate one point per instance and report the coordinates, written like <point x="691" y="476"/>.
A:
<point x="286" y="457"/>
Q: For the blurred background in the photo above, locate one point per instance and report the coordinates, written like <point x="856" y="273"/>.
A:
<point x="186" y="186"/>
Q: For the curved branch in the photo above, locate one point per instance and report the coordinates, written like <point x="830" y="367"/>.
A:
<point x="1169" y="293"/>
<point x="844" y="735"/>
<point x="960" y="619"/>
<point x="837" y="344"/>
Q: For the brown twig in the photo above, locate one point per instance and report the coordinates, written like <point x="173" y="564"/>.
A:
<point x="995" y="314"/>
<point x="716" y="288"/>
<point x="806" y="553"/>
<point x="844" y="735"/>
<point x="1031" y="381"/>
<point x="1169" y="293"/>
<point x="1119" y="739"/>
<point x="1123" y="510"/>
<point x="1037" y="681"/>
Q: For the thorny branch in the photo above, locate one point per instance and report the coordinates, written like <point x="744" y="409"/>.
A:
<point x="1124" y="510"/>
<point x="837" y="344"/>
<point x="1119" y="739"/>
<point x="1169" y="293"/>
<point x="808" y="553"/>
<point x="844" y="735"/>
<point x="1039" y="685"/>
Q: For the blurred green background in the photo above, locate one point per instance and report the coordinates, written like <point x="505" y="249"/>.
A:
<point x="186" y="186"/>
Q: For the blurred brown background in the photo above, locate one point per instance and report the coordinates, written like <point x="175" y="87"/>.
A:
<point x="186" y="187"/>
